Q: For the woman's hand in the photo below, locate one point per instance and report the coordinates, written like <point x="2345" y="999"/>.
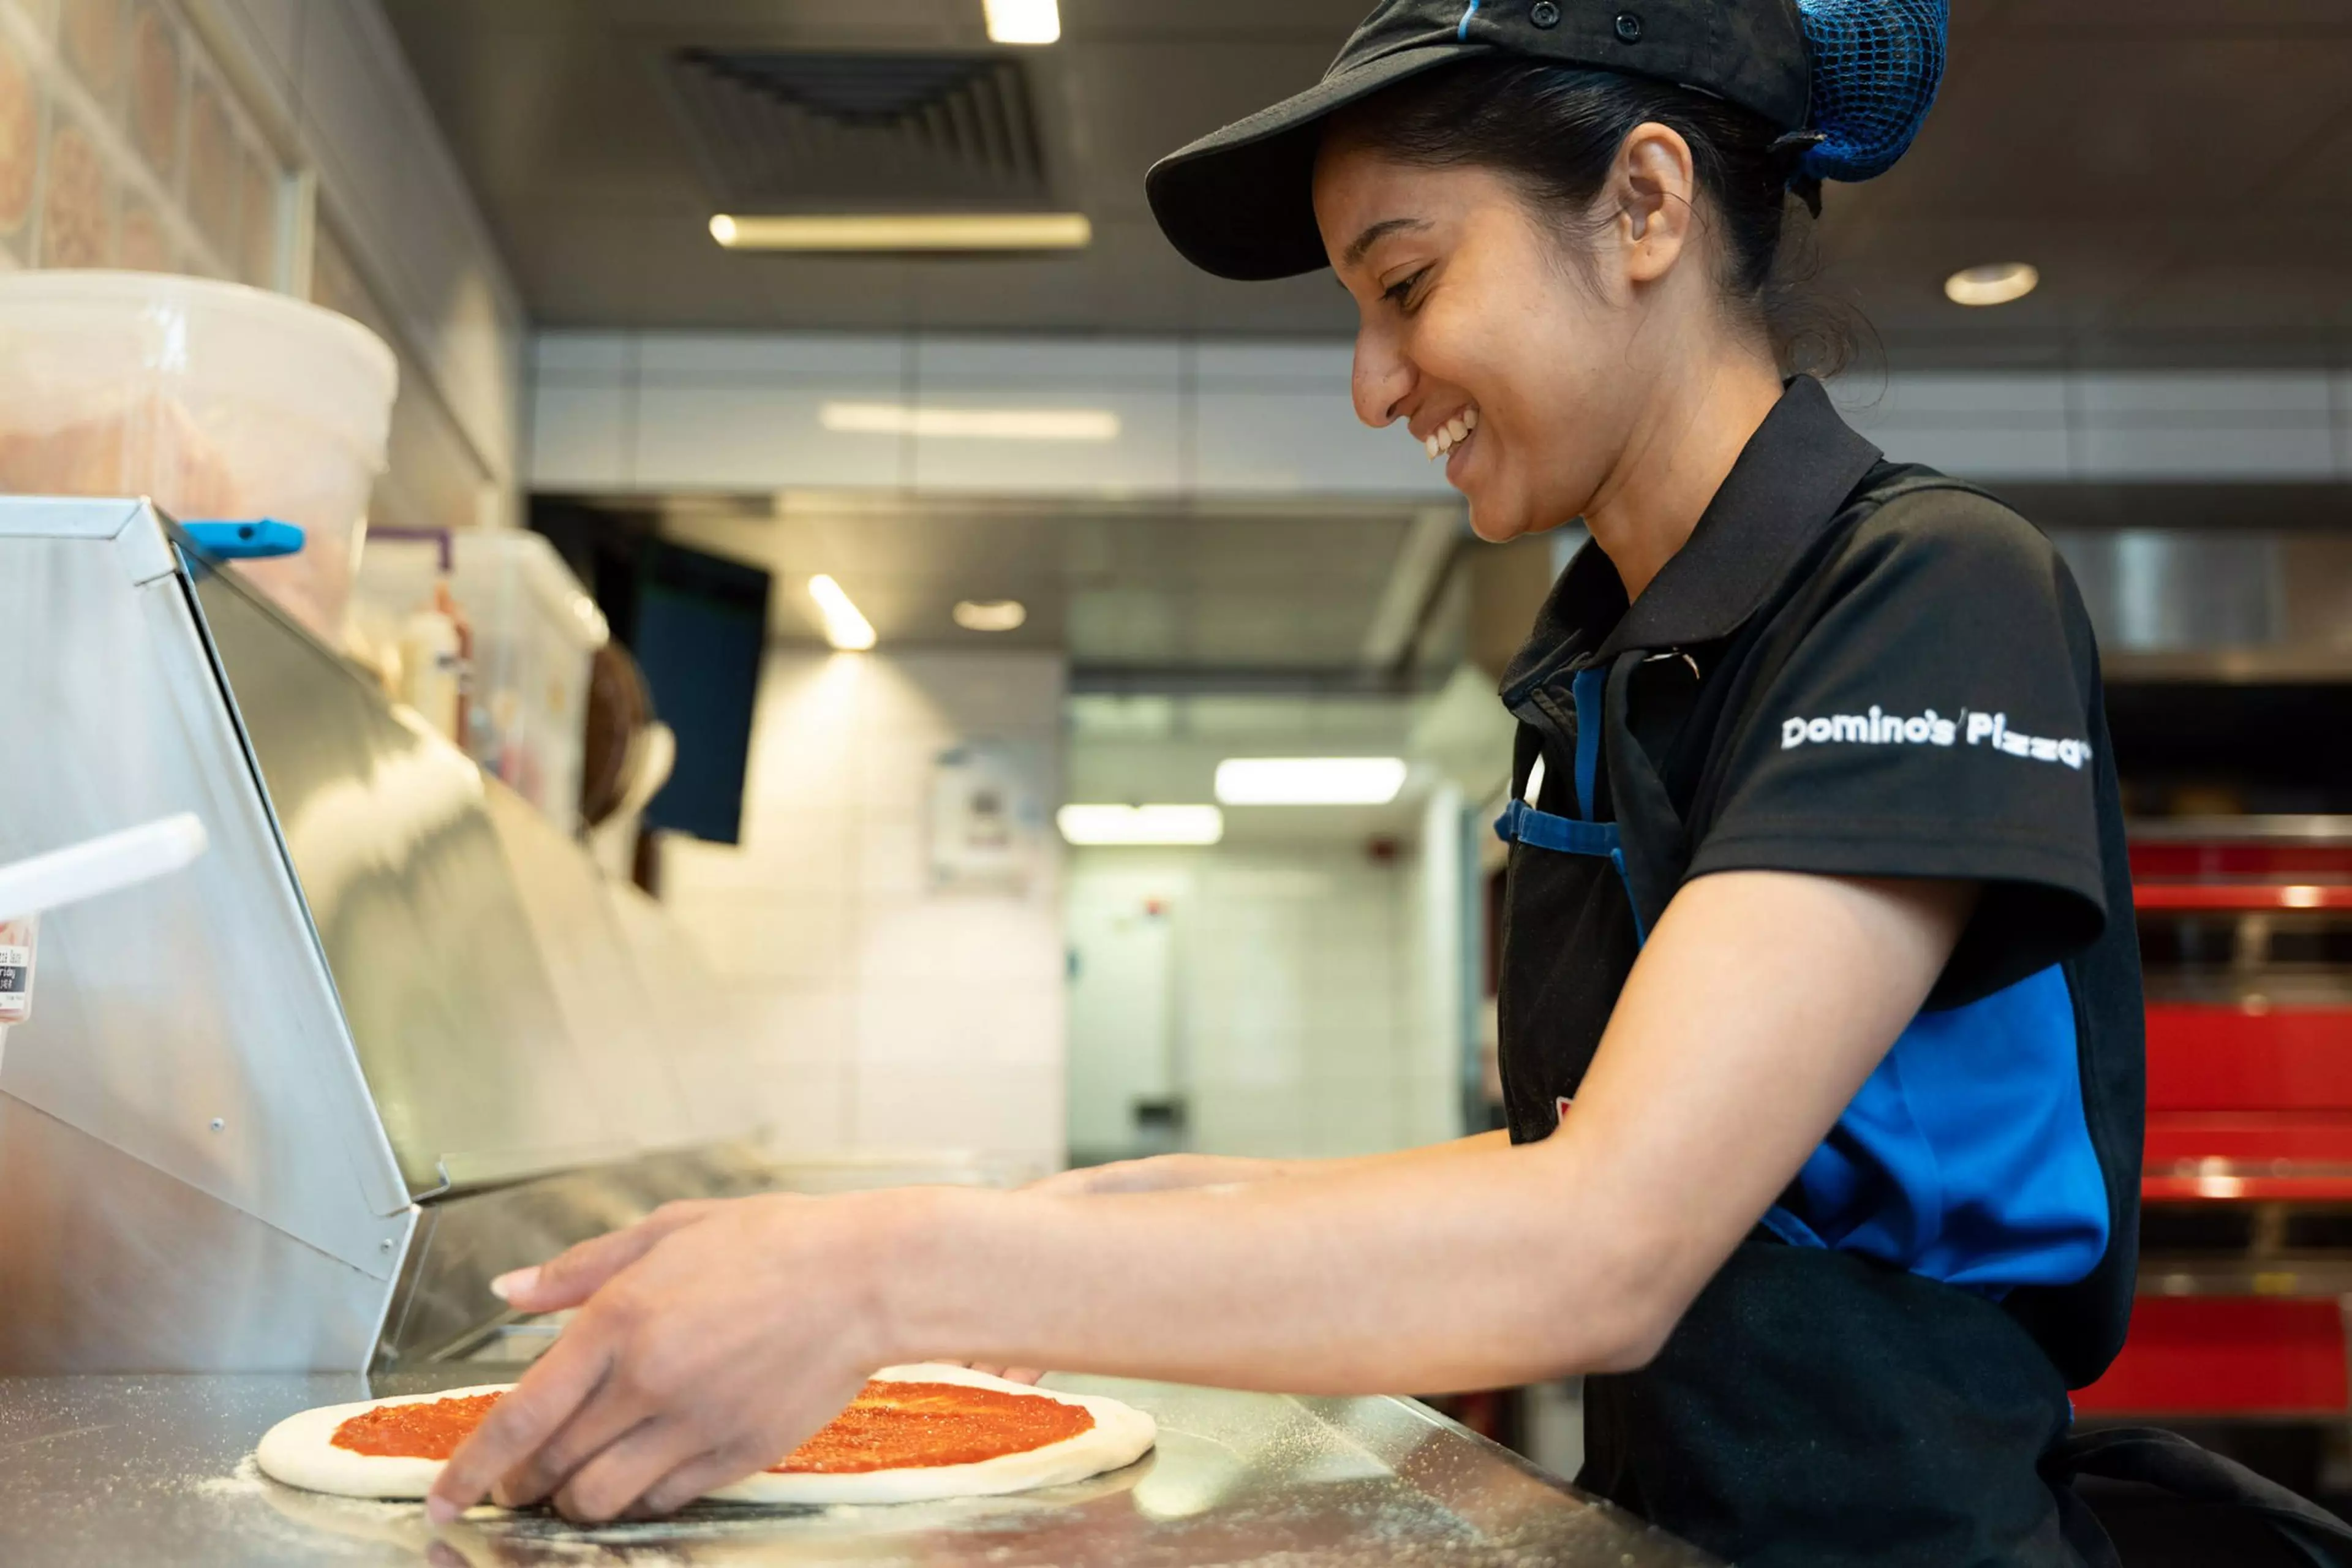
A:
<point x="711" y="1339"/>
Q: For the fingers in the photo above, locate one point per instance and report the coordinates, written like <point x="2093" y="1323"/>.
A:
<point x="602" y="1419"/>
<point x="531" y="1412"/>
<point x="1029" y="1374"/>
<point x="572" y="1278"/>
<point x="692" y="1480"/>
<point x="610" y="1484"/>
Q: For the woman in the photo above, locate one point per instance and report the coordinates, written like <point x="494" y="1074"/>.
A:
<point x="1821" y="1013"/>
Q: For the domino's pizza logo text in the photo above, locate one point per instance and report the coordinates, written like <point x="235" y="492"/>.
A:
<point x="1879" y="728"/>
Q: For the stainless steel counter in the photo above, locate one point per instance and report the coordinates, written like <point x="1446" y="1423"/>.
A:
<point x="100" y="1472"/>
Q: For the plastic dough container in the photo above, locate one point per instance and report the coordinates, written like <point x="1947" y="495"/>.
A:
<point x="218" y="401"/>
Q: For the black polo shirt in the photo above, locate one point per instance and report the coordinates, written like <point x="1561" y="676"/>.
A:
<point x="1858" y="669"/>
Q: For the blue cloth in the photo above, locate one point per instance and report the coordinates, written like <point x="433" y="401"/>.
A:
<point x="1966" y="1156"/>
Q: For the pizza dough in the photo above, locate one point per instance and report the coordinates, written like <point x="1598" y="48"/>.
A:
<point x="300" y="1452"/>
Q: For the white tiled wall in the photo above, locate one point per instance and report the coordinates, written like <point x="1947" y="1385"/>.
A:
<point x="1298" y="1017"/>
<point x="883" y="1019"/>
<point x="666" y="411"/>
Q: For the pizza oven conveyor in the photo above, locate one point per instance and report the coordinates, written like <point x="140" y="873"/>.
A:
<point x="275" y="1121"/>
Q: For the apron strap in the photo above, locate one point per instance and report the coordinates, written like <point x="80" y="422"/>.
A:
<point x="1523" y="824"/>
<point x="2171" y="1463"/>
<point x="1586" y="690"/>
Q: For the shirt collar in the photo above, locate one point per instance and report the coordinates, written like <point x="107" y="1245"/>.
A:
<point x="1791" y="482"/>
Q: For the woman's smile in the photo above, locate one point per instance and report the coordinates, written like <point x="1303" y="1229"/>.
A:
<point x="1451" y="438"/>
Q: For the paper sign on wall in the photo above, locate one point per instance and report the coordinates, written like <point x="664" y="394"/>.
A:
<point x="988" y="822"/>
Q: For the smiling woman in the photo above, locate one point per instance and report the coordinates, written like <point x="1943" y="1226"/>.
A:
<point x="1820" y="1043"/>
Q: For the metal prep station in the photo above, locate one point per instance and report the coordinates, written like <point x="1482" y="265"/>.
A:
<point x="277" y="1121"/>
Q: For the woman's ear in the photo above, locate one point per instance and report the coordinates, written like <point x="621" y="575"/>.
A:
<point x="1656" y="185"/>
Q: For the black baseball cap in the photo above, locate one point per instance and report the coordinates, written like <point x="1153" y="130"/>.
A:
<point x="1240" y="203"/>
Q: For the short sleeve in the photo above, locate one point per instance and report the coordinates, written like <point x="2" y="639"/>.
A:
<point x="1937" y="720"/>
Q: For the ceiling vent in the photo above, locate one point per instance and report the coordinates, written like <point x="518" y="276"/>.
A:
<point x="783" y="131"/>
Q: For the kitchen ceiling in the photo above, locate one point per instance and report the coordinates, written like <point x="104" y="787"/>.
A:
<point x="2177" y="171"/>
<point x="1228" y="598"/>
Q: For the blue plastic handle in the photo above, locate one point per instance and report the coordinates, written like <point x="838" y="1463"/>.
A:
<point x="255" y="540"/>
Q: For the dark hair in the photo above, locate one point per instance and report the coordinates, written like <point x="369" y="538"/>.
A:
<point x="1556" y="130"/>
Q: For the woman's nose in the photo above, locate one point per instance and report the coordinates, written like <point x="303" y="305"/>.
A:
<point x="1381" y="380"/>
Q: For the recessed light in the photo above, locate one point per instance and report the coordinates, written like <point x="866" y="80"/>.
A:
<point x="1024" y="21"/>
<point x="970" y="424"/>
<point x="1140" y="825"/>
<point x="904" y="231"/>
<point x="991" y="614"/>
<point x="1310" y="780"/>
<point x="844" y="628"/>
<point x="1997" y="283"/>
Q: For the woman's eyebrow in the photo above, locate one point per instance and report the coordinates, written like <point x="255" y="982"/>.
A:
<point x="1380" y="231"/>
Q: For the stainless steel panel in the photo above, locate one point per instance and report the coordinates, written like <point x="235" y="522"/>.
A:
<point x="618" y="1035"/>
<point x="188" y="1023"/>
<point x="108" y="1264"/>
<point x="695" y="1035"/>
<point x="456" y="1018"/>
<point x="105" y="1471"/>
<point x="2231" y="604"/>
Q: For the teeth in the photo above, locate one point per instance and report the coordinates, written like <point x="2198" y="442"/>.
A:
<point x="1451" y="434"/>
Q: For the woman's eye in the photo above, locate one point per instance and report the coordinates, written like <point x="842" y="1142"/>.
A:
<point x="1401" y="291"/>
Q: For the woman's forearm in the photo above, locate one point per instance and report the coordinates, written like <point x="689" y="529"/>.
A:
<point x="1170" y="1172"/>
<point x="1420" y="1275"/>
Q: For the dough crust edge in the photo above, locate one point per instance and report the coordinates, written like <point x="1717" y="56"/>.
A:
<point x="299" y="1451"/>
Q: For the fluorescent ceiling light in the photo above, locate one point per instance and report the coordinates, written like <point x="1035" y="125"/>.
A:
<point x="1997" y="284"/>
<point x="1024" y="21"/>
<point x="991" y="615"/>
<point x="905" y="231"/>
<point x="1310" y="780"/>
<point x="970" y="424"/>
<point x="845" y="629"/>
<point x="1140" y="825"/>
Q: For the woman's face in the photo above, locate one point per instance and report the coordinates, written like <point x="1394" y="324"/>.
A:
<point x="1479" y="333"/>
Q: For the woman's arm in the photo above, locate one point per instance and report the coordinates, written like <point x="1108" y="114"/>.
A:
<point x="1170" y="1173"/>
<point x="1761" y="1003"/>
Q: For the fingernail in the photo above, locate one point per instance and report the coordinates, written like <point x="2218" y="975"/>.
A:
<point x="506" y="1284"/>
<point x="441" y="1511"/>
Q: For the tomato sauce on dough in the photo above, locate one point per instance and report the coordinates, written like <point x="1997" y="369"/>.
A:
<point x="915" y="1425"/>
<point x="430" y="1431"/>
<point x="890" y="1426"/>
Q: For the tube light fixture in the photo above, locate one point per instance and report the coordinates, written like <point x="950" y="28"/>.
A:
<point x="991" y="615"/>
<point x="1024" y="21"/>
<point x="970" y="424"/>
<point x="1997" y="284"/>
<point x="904" y="231"/>
<point x="844" y="628"/>
<point x="1140" y="825"/>
<point x="1310" y="780"/>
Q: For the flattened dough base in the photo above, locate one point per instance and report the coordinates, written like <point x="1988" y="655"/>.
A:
<point x="300" y="1452"/>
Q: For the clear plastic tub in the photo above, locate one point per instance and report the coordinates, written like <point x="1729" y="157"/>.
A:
<point x="533" y="637"/>
<point x="217" y="400"/>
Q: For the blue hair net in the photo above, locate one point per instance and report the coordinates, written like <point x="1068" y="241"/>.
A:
<point x="1875" y="67"/>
